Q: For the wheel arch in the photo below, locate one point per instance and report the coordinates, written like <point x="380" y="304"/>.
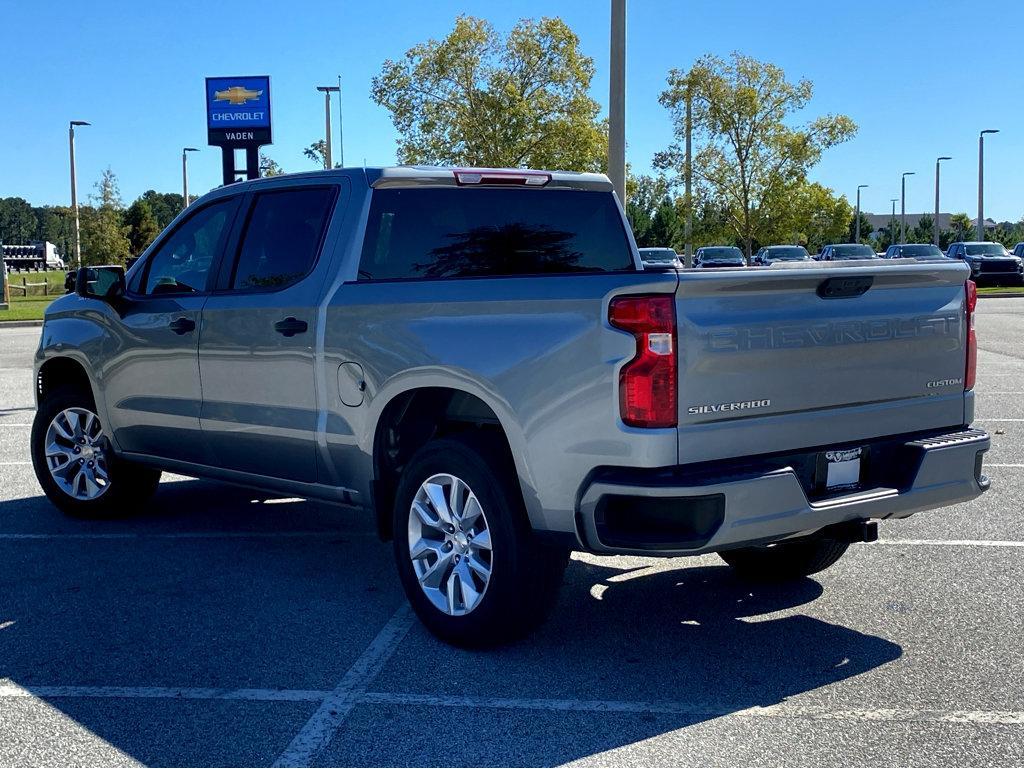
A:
<point x="412" y="416"/>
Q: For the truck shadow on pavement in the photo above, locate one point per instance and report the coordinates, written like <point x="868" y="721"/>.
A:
<point x="295" y="612"/>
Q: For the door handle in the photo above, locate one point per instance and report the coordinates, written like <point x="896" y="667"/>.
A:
<point x="181" y="325"/>
<point x="290" y="327"/>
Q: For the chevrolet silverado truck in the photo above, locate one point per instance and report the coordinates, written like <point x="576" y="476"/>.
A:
<point x="478" y="359"/>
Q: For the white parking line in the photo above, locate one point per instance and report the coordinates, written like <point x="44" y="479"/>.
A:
<point x="9" y="689"/>
<point x="951" y="542"/>
<point x="783" y="710"/>
<point x="13" y="424"/>
<point x="325" y="722"/>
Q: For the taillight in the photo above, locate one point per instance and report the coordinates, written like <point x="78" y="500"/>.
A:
<point x="972" y="338"/>
<point x="647" y="383"/>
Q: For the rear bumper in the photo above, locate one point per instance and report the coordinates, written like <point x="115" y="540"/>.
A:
<point x="681" y="511"/>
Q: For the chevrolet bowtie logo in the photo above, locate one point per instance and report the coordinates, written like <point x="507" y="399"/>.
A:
<point x="236" y="94"/>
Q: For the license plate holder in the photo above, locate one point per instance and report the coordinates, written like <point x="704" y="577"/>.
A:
<point x="842" y="468"/>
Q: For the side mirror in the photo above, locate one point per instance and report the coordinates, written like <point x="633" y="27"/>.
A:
<point x="104" y="283"/>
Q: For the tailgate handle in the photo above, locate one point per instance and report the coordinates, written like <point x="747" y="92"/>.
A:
<point x="843" y="288"/>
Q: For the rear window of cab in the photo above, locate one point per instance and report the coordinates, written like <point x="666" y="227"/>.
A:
<point x="458" y="232"/>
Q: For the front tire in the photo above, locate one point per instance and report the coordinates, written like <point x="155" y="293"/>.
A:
<point x="75" y="464"/>
<point x="784" y="561"/>
<point x="470" y="565"/>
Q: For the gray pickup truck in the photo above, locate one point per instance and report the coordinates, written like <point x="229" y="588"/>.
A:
<point x="478" y="359"/>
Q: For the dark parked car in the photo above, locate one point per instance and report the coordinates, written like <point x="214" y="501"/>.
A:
<point x="771" y="254"/>
<point x="1018" y="250"/>
<point x="924" y="251"/>
<point x="989" y="262"/>
<point x="718" y="256"/>
<point x="842" y="252"/>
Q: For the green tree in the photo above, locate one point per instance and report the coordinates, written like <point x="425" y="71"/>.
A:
<point x="56" y="224"/>
<point x="104" y="233"/>
<point x="865" y="228"/>
<point x="746" y="153"/>
<point x="142" y="226"/>
<point x="962" y="227"/>
<point x="269" y="166"/>
<point x="644" y="194"/>
<point x="317" y="152"/>
<point x="17" y="221"/>
<point x="477" y="98"/>
<point x="164" y="205"/>
<point x="924" y="229"/>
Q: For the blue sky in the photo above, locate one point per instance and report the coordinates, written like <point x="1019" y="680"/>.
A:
<point x="915" y="76"/>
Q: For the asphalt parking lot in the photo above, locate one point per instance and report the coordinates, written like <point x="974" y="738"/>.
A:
<point x="220" y="629"/>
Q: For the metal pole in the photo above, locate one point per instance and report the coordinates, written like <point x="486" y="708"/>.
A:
<point x="688" y="226"/>
<point x="341" y="130"/>
<point x="327" y="90"/>
<point x="856" y="237"/>
<point x="617" y="101"/>
<point x="892" y="223"/>
<point x="981" y="180"/>
<point x="184" y="175"/>
<point x="981" y="186"/>
<point x="903" y="206"/>
<point x="935" y="223"/>
<point x="74" y="190"/>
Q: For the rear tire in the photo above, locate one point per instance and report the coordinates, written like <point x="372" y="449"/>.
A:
<point x="480" y="577"/>
<point x="785" y="560"/>
<point x="75" y="464"/>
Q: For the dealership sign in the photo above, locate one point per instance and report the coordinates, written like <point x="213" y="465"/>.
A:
<point x="238" y="111"/>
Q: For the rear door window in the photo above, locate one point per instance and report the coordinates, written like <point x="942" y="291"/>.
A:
<point x="454" y="232"/>
<point x="282" y="237"/>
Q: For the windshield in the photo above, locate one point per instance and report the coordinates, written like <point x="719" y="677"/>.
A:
<point x="985" y="249"/>
<point x="853" y="251"/>
<point x="788" y="253"/>
<point x="721" y="254"/>
<point x="921" y="250"/>
<point x="657" y="254"/>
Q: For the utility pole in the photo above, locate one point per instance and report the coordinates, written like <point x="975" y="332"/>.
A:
<point x="617" y="101"/>
<point x="184" y="174"/>
<point x="688" y="226"/>
<point x="327" y="91"/>
<point x="935" y="224"/>
<point x="981" y="180"/>
<point x="892" y="223"/>
<point x="903" y="206"/>
<point x="856" y="237"/>
<point x="341" y="129"/>
<point x="74" y="190"/>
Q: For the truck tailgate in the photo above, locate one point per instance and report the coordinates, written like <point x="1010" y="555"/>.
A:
<point x="777" y="359"/>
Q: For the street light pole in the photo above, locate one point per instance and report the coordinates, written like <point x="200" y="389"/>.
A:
<point x="892" y="223"/>
<point x="74" y="190"/>
<point x="184" y="174"/>
<point x="327" y="91"/>
<point x="856" y="238"/>
<point x="935" y="223"/>
<point x="903" y="206"/>
<point x="688" y="223"/>
<point x="981" y="180"/>
<point x="617" y="101"/>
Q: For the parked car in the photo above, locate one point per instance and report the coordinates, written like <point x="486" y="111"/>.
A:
<point x="476" y="359"/>
<point x="660" y="258"/>
<point x="771" y="254"/>
<point x="1018" y="250"/>
<point x="921" y="251"/>
<point x="718" y="256"/>
<point x="989" y="262"/>
<point x="840" y="252"/>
